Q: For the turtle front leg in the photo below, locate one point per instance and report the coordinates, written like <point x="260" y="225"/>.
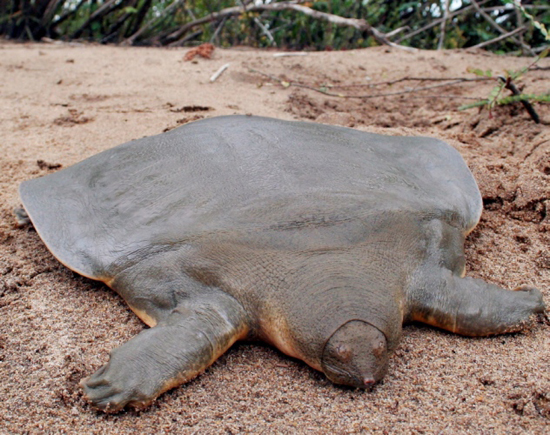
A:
<point x="469" y="306"/>
<point x="179" y="348"/>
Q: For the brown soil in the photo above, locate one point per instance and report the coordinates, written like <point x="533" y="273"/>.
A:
<point x="62" y="103"/>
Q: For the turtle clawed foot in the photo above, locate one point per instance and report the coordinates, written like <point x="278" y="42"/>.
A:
<point x="536" y="296"/>
<point x="114" y="386"/>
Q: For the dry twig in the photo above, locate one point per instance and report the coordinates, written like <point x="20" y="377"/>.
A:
<point x="492" y="22"/>
<point x="218" y="73"/>
<point x="509" y="84"/>
<point x="436" y="22"/>
<point x="323" y="90"/>
<point x="500" y="38"/>
<point x="411" y="79"/>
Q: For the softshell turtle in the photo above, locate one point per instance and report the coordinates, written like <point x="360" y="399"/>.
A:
<point x="319" y="240"/>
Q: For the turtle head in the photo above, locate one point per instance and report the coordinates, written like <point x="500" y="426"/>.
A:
<point x="356" y="355"/>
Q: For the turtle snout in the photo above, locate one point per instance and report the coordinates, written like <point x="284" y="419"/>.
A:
<point x="368" y="382"/>
<point x="356" y="355"/>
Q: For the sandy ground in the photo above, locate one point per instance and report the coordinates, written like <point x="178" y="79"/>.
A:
<point x="62" y="103"/>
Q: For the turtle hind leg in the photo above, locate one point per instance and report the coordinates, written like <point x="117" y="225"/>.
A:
<point x="471" y="307"/>
<point x="180" y="347"/>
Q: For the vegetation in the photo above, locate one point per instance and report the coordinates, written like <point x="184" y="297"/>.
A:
<point x="506" y="81"/>
<point x="427" y="24"/>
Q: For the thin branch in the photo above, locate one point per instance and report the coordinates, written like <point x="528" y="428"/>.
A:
<point x="359" y="24"/>
<point x="436" y="22"/>
<point x="455" y="97"/>
<point x="443" y="25"/>
<point x="67" y="14"/>
<point x="265" y="31"/>
<point x="511" y="8"/>
<point x="323" y="91"/>
<point x="498" y="28"/>
<point x="397" y="31"/>
<point x="53" y="5"/>
<point x="499" y="38"/>
<point x="218" y="29"/>
<point x="413" y="79"/>
<point x="105" y="9"/>
<point x="152" y="22"/>
<point x="140" y="17"/>
<point x="509" y="84"/>
<point x="519" y="19"/>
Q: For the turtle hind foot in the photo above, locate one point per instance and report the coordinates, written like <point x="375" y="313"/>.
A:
<point x="21" y="217"/>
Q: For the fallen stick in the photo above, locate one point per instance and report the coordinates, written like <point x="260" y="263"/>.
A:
<point x="412" y="79"/>
<point x="219" y="73"/>
<point x="291" y="54"/>
<point x="322" y="90"/>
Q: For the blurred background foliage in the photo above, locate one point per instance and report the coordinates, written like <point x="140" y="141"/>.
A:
<point x="178" y="22"/>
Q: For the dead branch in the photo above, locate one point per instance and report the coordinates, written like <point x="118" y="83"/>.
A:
<point x="218" y="29"/>
<point x="151" y="22"/>
<point x="291" y="54"/>
<point x="397" y="31"/>
<point x="493" y="24"/>
<point x="103" y="10"/>
<point x="519" y="20"/>
<point x="509" y="84"/>
<point x="140" y="17"/>
<point x="412" y="79"/>
<point x="265" y="31"/>
<point x="359" y="24"/>
<point x="500" y="38"/>
<point x="49" y="12"/>
<point x="436" y="22"/>
<point x="113" y="29"/>
<point x="322" y="90"/>
<point x="67" y="14"/>
<point x="443" y="25"/>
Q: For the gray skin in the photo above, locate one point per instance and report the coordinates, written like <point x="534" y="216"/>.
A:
<point x="322" y="241"/>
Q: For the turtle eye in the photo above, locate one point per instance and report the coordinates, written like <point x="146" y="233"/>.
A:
<point x="343" y="352"/>
<point x="379" y="348"/>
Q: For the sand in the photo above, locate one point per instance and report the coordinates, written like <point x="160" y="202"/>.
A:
<point x="62" y="103"/>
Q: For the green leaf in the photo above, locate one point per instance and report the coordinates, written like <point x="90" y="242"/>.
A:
<point x="538" y="25"/>
<point x="479" y="72"/>
<point x="472" y="105"/>
<point x="524" y="97"/>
